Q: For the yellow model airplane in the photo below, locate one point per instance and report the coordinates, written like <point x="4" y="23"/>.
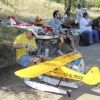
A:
<point x="55" y="67"/>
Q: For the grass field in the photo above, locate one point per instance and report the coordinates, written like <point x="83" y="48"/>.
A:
<point x="27" y="8"/>
<point x="42" y="8"/>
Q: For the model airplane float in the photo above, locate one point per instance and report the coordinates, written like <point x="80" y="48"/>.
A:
<point x="56" y="68"/>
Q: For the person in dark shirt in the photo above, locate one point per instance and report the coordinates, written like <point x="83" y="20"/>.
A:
<point x="96" y="25"/>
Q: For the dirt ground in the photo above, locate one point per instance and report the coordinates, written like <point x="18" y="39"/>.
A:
<point x="13" y="88"/>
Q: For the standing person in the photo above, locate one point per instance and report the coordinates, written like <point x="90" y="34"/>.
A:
<point x="79" y="13"/>
<point x="63" y="36"/>
<point x="26" y="43"/>
<point x="96" y="25"/>
<point x="86" y="28"/>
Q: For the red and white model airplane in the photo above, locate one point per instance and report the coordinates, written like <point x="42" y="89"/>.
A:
<point x="18" y="24"/>
<point x="40" y="32"/>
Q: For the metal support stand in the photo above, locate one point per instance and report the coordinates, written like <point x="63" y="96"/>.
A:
<point x="42" y="46"/>
<point x="61" y="80"/>
<point x="54" y="44"/>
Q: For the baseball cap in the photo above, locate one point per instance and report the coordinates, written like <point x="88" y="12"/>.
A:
<point x="30" y="29"/>
<point x="79" y="5"/>
<point x="85" y="14"/>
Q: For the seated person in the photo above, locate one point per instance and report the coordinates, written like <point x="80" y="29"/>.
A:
<point x="66" y="15"/>
<point x="96" y="25"/>
<point x="66" y="23"/>
<point x="66" y="26"/>
<point x="86" y="28"/>
<point x="71" y="21"/>
<point x="23" y="44"/>
<point x="55" y="23"/>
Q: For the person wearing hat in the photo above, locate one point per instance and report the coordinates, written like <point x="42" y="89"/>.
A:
<point x="86" y="28"/>
<point x="79" y="13"/>
<point x="96" y="25"/>
<point x="23" y="44"/>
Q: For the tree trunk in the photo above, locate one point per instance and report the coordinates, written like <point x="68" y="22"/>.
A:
<point x="69" y="3"/>
<point x="65" y="3"/>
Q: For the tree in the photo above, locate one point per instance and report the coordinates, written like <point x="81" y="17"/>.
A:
<point x="96" y="3"/>
<point x="65" y="4"/>
<point x="6" y="2"/>
<point x="70" y="3"/>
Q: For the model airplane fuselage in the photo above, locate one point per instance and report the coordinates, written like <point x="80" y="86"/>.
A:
<point x="16" y="23"/>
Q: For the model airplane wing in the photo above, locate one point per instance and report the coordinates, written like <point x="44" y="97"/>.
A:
<point x="47" y="66"/>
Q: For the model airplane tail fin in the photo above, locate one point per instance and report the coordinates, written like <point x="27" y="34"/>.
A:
<point x="13" y="21"/>
<point x="92" y="77"/>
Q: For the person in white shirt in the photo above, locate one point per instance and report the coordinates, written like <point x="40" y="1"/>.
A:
<point x="86" y="28"/>
<point x="79" y="13"/>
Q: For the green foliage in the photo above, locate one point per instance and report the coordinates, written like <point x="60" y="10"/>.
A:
<point x="84" y="3"/>
<point x="2" y="51"/>
<point x="7" y="33"/>
<point x="73" y="4"/>
<point x="58" y="1"/>
<point x="8" y="3"/>
<point x="96" y="3"/>
<point x="7" y="36"/>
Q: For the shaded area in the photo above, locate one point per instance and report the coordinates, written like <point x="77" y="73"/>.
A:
<point x="14" y="87"/>
<point x="7" y="53"/>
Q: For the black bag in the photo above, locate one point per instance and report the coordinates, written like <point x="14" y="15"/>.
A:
<point x="84" y="41"/>
<point x="67" y="41"/>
